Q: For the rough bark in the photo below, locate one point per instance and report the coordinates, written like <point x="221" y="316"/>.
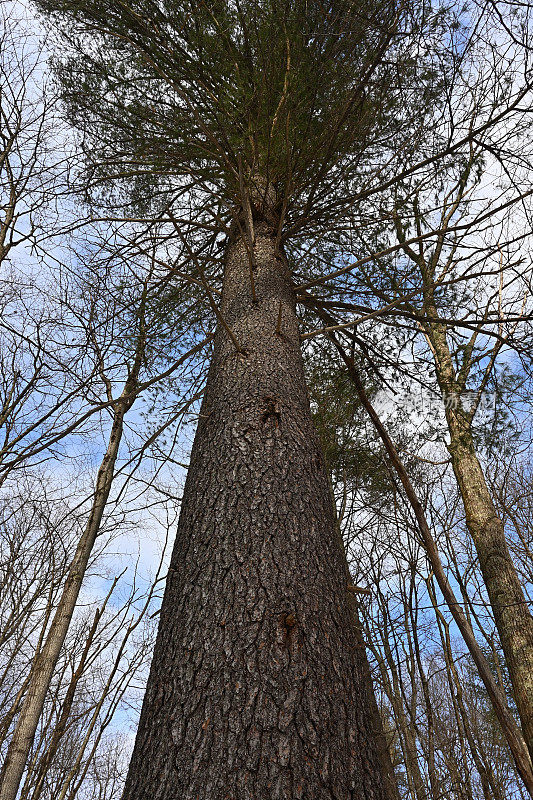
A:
<point x="253" y="691"/>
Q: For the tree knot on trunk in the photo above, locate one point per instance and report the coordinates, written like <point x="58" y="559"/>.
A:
<point x="289" y="620"/>
<point x="263" y="197"/>
<point x="288" y="623"/>
<point x="272" y="411"/>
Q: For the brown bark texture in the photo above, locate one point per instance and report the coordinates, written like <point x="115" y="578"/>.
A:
<point x="255" y="687"/>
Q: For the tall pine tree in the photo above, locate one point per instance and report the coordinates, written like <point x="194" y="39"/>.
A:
<point x="250" y="127"/>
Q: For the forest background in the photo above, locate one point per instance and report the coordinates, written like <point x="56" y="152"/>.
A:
<point x="414" y="306"/>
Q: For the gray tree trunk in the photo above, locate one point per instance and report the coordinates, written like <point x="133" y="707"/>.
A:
<point x="46" y="659"/>
<point x="509" y="605"/>
<point x="254" y="690"/>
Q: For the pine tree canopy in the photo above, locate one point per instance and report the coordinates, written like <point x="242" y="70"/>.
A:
<point x="312" y="100"/>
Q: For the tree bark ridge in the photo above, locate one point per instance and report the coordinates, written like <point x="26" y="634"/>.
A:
<point x="253" y="691"/>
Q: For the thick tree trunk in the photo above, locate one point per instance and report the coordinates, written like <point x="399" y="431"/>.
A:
<point x="253" y="691"/>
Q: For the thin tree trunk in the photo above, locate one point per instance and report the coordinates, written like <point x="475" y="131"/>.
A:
<point x="375" y="719"/>
<point x="508" y="602"/>
<point x="510" y="729"/>
<point x="489" y="787"/>
<point x="512" y="616"/>
<point x="46" y="659"/>
<point x="253" y="691"/>
<point x="405" y="727"/>
<point x="364" y="675"/>
<point x="434" y="782"/>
